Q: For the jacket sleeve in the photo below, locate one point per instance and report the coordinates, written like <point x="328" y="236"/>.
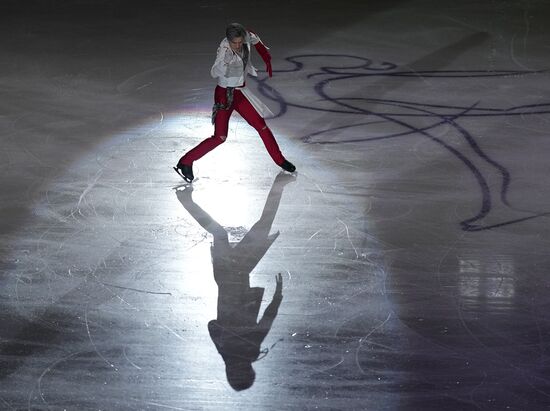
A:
<point x="262" y="50"/>
<point x="223" y="57"/>
<point x="254" y="38"/>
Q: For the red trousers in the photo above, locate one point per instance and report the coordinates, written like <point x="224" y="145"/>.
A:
<point x="221" y="126"/>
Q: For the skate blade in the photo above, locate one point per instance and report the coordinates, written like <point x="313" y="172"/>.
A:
<point x="181" y="175"/>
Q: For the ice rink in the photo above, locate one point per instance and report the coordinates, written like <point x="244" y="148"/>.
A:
<point x="413" y="241"/>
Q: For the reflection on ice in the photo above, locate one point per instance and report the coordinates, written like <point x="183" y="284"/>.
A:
<point x="236" y="332"/>
<point x="491" y="280"/>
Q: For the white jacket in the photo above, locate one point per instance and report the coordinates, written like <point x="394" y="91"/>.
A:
<point x="228" y="68"/>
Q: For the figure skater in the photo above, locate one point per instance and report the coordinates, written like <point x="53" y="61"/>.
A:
<point x="231" y="68"/>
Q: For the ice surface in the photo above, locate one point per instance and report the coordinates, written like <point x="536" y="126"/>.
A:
<point x="413" y="241"/>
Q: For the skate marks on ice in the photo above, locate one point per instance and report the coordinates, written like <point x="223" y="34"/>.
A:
<point x="403" y="116"/>
<point x="236" y="332"/>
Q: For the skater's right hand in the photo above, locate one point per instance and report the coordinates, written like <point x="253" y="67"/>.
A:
<point x="228" y="56"/>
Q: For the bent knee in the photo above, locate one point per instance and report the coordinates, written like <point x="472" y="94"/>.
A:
<point x="222" y="138"/>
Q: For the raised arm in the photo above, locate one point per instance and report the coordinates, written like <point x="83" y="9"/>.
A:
<point x="264" y="325"/>
<point x="262" y="50"/>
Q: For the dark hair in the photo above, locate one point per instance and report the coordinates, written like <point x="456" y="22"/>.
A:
<point x="235" y="30"/>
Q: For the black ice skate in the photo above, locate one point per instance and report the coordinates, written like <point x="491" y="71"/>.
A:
<point x="287" y="166"/>
<point x="185" y="171"/>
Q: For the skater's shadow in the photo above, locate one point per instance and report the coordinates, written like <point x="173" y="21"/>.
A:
<point x="236" y="332"/>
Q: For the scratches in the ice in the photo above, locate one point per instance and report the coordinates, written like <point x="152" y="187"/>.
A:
<point x="137" y="367"/>
<point x="172" y="332"/>
<point x="6" y="404"/>
<point x="157" y="148"/>
<point x="313" y="235"/>
<point x="144" y="85"/>
<point x="136" y="290"/>
<point x="441" y="260"/>
<point x="474" y="389"/>
<point x="42" y="375"/>
<point x="84" y="193"/>
<point x="364" y="340"/>
<point x="289" y="275"/>
<point x="90" y="338"/>
<point x="327" y="370"/>
<point x="170" y="407"/>
<point x="342" y="163"/>
<point x="108" y="289"/>
<point x="131" y="83"/>
<point x="36" y="157"/>
<point x="349" y="238"/>
<point x="319" y="188"/>
<point x="88" y="188"/>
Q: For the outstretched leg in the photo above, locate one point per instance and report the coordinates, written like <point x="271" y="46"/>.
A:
<point x="201" y="149"/>
<point x="249" y="113"/>
<point x="221" y="125"/>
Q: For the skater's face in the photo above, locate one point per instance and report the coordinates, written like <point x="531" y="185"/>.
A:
<point x="236" y="43"/>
